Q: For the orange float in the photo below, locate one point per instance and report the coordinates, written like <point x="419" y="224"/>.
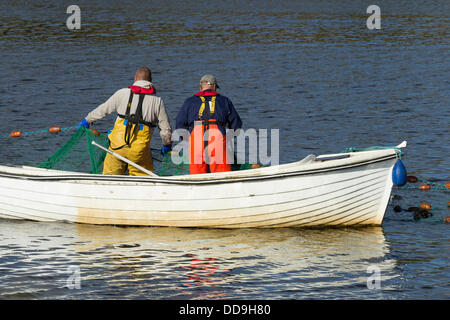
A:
<point x="447" y="185"/>
<point x="425" y="206"/>
<point x="424" y="187"/>
<point x="54" y="129"/>
<point x="412" y="179"/>
<point x="96" y="133"/>
<point x="16" y="134"/>
<point x="447" y="219"/>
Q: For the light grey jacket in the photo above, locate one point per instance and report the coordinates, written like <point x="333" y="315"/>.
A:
<point x="153" y="109"/>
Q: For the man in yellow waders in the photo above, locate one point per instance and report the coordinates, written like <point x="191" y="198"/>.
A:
<point x="139" y="111"/>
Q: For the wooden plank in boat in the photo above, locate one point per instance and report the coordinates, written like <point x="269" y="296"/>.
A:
<point x="340" y="156"/>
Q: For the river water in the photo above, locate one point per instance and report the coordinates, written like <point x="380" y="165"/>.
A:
<point x="311" y="69"/>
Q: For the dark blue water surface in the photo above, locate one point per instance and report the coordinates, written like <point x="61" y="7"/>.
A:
<point x="311" y="69"/>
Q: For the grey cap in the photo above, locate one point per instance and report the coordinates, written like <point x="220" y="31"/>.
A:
<point x="209" y="79"/>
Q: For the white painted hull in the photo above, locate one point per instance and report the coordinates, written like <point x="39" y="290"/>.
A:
<point x="351" y="191"/>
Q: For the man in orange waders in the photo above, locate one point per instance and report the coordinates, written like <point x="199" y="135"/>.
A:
<point x="207" y="115"/>
<point x="139" y="112"/>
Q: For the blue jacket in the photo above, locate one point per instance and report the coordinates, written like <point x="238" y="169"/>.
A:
<point x="224" y="113"/>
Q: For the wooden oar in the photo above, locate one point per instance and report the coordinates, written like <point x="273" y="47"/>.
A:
<point x="125" y="160"/>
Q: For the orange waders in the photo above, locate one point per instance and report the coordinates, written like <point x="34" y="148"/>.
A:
<point x="215" y="155"/>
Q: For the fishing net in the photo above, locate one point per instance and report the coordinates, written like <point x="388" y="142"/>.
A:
<point x="168" y="168"/>
<point x="79" y="155"/>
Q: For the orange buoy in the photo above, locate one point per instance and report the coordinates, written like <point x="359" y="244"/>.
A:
<point x="424" y="187"/>
<point x="447" y="219"/>
<point x="447" y="185"/>
<point x="16" y="134"/>
<point x="448" y="204"/>
<point x="96" y="133"/>
<point x="54" y="129"/>
<point x="412" y="179"/>
<point x="255" y="165"/>
<point x="425" y="206"/>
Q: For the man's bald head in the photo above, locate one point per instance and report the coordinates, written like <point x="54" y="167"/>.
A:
<point x="143" y="73"/>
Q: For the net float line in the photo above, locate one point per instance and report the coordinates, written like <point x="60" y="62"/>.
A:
<point x="424" y="185"/>
<point x="53" y="130"/>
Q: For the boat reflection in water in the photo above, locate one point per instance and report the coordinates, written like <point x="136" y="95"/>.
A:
<point x="248" y="263"/>
<point x="189" y="263"/>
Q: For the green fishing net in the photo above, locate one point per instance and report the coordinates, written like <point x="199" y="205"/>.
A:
<point x="79" y="155"/>
<point x="166" y="167"/>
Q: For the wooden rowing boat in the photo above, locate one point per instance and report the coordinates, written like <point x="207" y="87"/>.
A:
<point x="329" y="190"/>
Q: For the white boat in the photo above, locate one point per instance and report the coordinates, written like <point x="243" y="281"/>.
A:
<point x="329" y="190"/>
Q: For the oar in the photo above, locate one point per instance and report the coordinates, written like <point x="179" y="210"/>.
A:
<point x="125" y="160"/>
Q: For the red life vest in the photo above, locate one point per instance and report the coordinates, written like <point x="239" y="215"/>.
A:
<point x="137" y="89"/>
<point x="206" y="93"/>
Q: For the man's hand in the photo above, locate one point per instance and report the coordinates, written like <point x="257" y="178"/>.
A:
<point x="166" y="149"/>
<point x="83" y="123"/>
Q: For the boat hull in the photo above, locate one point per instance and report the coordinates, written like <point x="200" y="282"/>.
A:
<point x="332" y="193"/>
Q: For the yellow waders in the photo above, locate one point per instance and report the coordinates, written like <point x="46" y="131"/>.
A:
<point x="137" y="151"/>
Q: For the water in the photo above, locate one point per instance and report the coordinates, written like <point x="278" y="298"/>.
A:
<point x="310" y="68"/>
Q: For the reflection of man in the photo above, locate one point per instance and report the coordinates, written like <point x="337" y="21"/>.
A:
<point x="139" y="111"/>
<point x="208" y="111"/>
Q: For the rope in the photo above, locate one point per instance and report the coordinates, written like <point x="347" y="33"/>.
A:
<point x="436" y="185"/>
<point x="36" y="132"/>
<point x="354" y="149"/>
<point x="405" y="188"/>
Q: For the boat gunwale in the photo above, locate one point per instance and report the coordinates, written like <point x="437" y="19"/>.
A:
<point x="171" y="180"/>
